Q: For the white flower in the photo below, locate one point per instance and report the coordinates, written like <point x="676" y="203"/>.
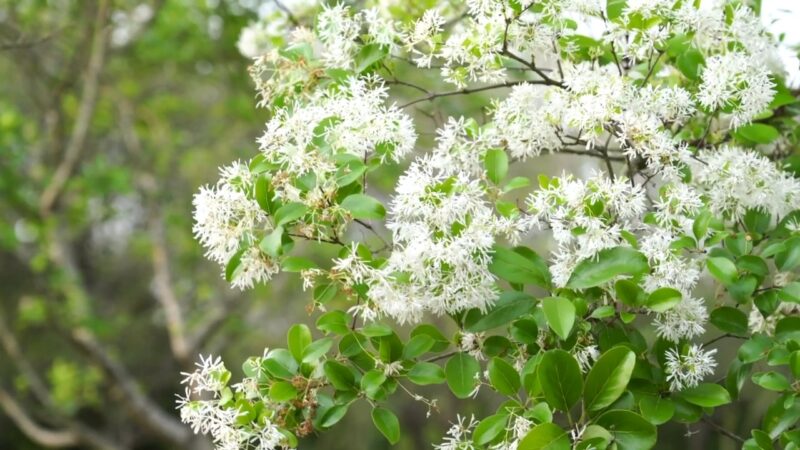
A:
<point x="685" y="320"/>
<point x="586" y="356"/>
<point x="210" y="416"/>
<point x="581" y="231"/>
<point x="338" y="29"/>
<point x="736" y="79"/>
<point x="225" y="215"/>
<point x="736" y="180"/>
<point x="472" y="344"/>
<point x="525" y="124"/>
<point x="689" y="369"/>
<point x="459" y="435"/>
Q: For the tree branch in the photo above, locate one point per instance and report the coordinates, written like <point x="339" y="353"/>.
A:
<point x="466" y="91"/>
<point x="165" y="294"/>
<point x="86" y="108"/>
<point x="142" y="408"/>
<point x="38" y="434"/>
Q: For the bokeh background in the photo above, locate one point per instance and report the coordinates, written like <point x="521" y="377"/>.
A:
<point x="112" y="113"/>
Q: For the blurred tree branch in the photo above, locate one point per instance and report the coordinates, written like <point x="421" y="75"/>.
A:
<point x="80" y="131"/>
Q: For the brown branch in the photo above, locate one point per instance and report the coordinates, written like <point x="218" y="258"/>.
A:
<point x="165" y="293"/>
<point x="466" y="91"/>
<point x="42" y="436"/>
<point x="142" y="408"/>
<point x="721" y="430"/>
<point x="86" y="108"/>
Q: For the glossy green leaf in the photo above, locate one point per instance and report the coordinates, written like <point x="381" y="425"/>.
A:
<point x="516" y="267"/>
<point x="460" y="372"/>
<point x="607" y="265"/>
<point x="496" y="163"/>
<point x="298" y="338"/>
<point x="546" y="436"/>
<point x="425" y="373"/>
<point x="504" y="377"/>
<point x="489" y="428"/>
<point x="608" y="378"/>
<point x="561" y="379"/>
<point x="663" y="299"/>
<point x="630" y="430"/>
<point x="362" y="206"/>
<point x="386" y="422"/>
<point x="707" y="395"/>
<point x="510" y="306"/>
<point x="560" y="314"/>
<point x="722" y="269"/>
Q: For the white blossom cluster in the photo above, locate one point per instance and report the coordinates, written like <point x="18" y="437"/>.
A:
<point x="443" y="230"/>
<point x="204" y="409"/>
<point x="687" y="369"/>
<point x="580" y="230"/>
<point x="735" y="180"/>
<point x="227" y="220"/>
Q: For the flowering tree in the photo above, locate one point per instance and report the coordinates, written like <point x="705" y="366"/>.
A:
<point x="690" y="234"/>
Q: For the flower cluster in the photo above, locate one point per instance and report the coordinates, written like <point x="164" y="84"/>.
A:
<point x="227" y="220"/>
<point x="687" y="369"/>
<point x="585" y="217"/>
<point x="216" y="415"/>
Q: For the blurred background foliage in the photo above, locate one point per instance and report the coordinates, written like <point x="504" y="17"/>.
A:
<point x="112" y="113"/>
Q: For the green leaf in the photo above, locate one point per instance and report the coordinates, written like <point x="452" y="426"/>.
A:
<point x="516" y="267"/>
<point x="630" y="430"/>
<point x="656" y="409"/>
<point x="460" y="372"/>
<point x="333" y="415"/>
<point x="689" y="62"/>
<point x="316" y="349"/>
<point x="608" y="378"/>
<point x="372" y="381"/>
<point x="510" y="306"/>
<point x="723" y="269"/>
<point x="629" y="292"/>
<point x="504" y="377"/>
<point x="280" y="364"/>
<point x="386" y="422"/>
<point x="298" y="338"/>
<point x="369" y="55"/>
<point x="756" y="348"/>
<point x="700" y="224"/>
<point x="772" y="381"/>
<point x="757" y="133"/>
<point x="417" y="346"/>
<point x="362" y="206"/>
<point x="339" y="375"/>
<point x="233" y="264"/>
<point x="561" y="380"/>
<point x="614" y="8"/>
<point x="560" y="314"/>
<point x="789" y="258"/>
<point x="425" y="373"/>
<point x="333" y="322"/>
<point x="729" y="320"/>
<point x="606" y="265"/>
<point x="663" y="299"/>
<point x="489" y="428"/>
<point x="546" y="436"/>
<point x="289" y="213"/>
<point x="297" y="264"/>
<point x="496" y="163"/>
<point x="707" y="395"/>
<point x="271" y="244"/>
<point x="282" y="391"/>
<point x="441" y="342"/>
